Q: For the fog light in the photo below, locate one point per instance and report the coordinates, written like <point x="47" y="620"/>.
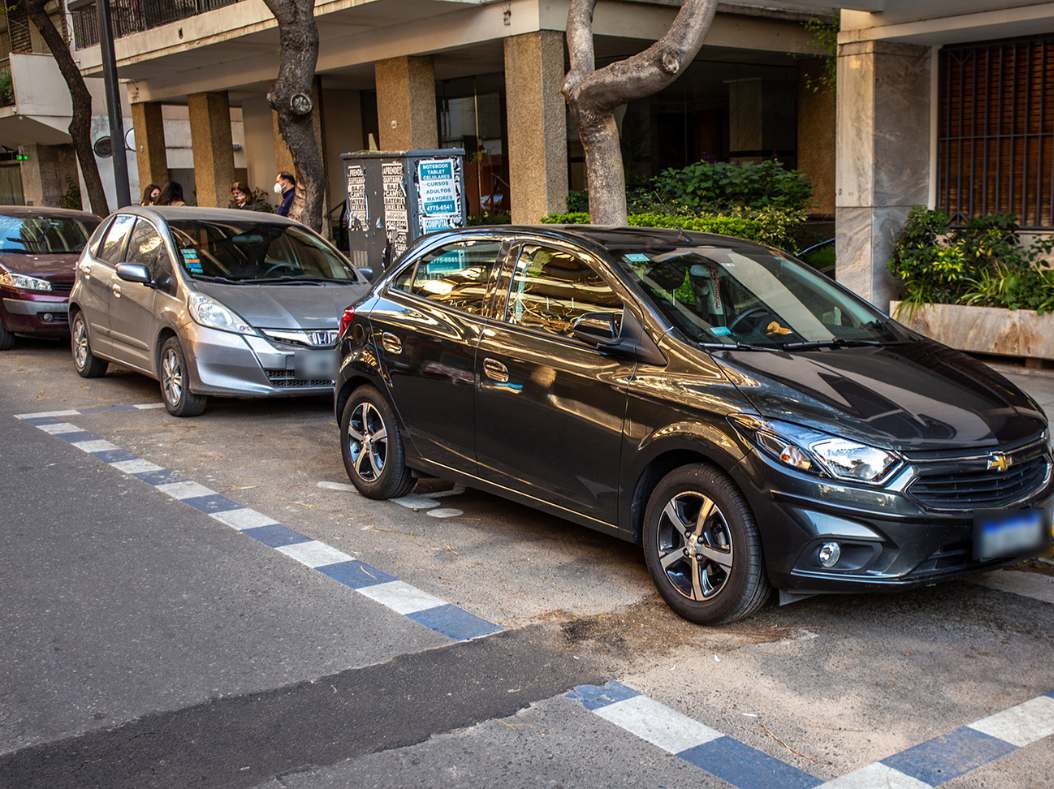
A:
<point x="47" y="317"/>
<point x="829" y="554"/>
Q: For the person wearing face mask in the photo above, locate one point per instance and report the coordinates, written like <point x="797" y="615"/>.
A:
<point x="150" y="194"/>
<point x="285" y="185"/>
<point x="242" y="197"/>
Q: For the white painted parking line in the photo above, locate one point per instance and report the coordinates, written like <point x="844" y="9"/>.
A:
<point x="1021" y="725"/>
<point x="137" y="466"/>
<point x="401" y="597"/>
<point x="875" y="776"/>
<point x="1034" y="585"/>
<point x="315" y="554"/>
<point x="337" y="486"/>
<point x="45" y="414"/>
<point x="658" y="724"/>
<point x="243" y="519"/>
<point x="148" y="406"/>
<point x="60" y="428"/>
<point x="96" y="445"/>
<point x="185" y="490"/>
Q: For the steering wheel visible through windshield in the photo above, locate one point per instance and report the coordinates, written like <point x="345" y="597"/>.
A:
<point x="256" y="252"/>
<point x="750" y="296"/>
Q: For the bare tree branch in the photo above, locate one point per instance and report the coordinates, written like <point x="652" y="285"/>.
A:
<point x="291" y="99"/>
<point x="593" y="95"/>
<point x="80" y="123"/>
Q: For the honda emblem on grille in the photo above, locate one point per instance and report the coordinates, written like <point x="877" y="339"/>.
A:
<point x="999" y="461"/>
<point x="317" y="338"/>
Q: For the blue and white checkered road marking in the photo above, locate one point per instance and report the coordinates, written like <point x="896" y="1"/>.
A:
<point x="924" y="766"/>
<point x="413" y="603"/>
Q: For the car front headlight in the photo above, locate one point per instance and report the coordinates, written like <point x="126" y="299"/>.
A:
<point x="22" y="282"/>
<point x="209" y="312"/>
<point x="818" y="453"/>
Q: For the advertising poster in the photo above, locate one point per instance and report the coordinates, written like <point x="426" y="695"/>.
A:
<point x="439" y="196"/>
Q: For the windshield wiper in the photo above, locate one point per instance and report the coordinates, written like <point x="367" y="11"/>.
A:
<point x="736" y="346"/>
<point x="289" y="280"/>
<point x="834" y="342"/>
<point x="224" y="280"/>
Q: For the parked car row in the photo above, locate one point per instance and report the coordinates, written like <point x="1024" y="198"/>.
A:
<point x="747" y="421"/>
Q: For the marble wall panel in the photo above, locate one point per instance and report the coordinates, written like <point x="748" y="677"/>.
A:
<point x="984" y="329"/>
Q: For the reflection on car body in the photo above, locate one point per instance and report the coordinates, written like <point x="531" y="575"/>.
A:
<point x="211" y="302"/>
<point x="748" y="421"/>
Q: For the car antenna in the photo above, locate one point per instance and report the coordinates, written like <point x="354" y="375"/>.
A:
<point x="669" y="213"/>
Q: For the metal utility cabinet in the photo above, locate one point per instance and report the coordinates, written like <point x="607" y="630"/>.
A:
<point x="396" y="196"/>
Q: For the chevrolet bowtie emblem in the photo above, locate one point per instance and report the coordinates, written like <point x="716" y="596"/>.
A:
<point x="999" y="461"/>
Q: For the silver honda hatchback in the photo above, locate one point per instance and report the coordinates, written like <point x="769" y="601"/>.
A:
<point x="211" y="302"/>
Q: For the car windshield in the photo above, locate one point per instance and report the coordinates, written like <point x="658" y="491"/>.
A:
<point x="256" y="252"/>
<point x="751" y="297"/>
<point x="44" y="235"/>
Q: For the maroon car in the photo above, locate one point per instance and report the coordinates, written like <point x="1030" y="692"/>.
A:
<point x="39" y="248"/>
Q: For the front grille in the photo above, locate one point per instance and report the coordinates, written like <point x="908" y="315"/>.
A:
<point x="288" y="379"/>
<point x="61" y="287"/>
<point x="967" y="483"/>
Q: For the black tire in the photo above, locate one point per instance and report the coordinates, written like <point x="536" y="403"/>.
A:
<point x="7" y="339"/>
<point x="372" y="446"/>
<point x="88" y="365"/>
<point x="175" y="382"/>
<point x="709" y="569"/>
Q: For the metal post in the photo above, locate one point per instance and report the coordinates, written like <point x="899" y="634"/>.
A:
<point x="113" y="104"/>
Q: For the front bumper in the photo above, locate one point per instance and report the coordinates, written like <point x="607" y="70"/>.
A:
<point x="25" y="312"/>
<point x="887" y="541"/>
<point x="223" y="363"/>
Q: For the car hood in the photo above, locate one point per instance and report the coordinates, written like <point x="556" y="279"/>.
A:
<point x="41" y="265"/>
<point x="316" y="306"/>
<point x="916" y="395"/>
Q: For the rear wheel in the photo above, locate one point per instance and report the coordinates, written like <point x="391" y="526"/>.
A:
<point x="702" y="547"/>
<point x="86" y="363"/>
<point x="175" y="382"/>
<point x="7" y="339"/>
<point x="372" y="446"/>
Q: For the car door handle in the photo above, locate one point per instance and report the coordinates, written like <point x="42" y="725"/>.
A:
<point x="496" y="371"/>
<point x="391" y="343"/>
<point x="86" y="270"/>
<point x="116" y="290"/>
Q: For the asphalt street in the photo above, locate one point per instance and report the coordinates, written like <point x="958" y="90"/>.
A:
<point x="205" y="602"/>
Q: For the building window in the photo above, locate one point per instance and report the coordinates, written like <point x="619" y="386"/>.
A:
<point x="996" y="131"/>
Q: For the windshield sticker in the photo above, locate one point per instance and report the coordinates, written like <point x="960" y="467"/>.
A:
<point x="636" y="257"/>
<point x="195" y="266"/>
<point x="720" y="330"/>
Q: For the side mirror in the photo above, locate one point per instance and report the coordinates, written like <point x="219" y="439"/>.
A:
<point x="596" y="328"/>
<point x="133" y="272"/>
<point x="367" y="272"/>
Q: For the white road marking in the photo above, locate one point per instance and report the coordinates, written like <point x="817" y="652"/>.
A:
<point x="315" y="554"/>
<point x="337" y="486"/>
<point x="875" y="776"/>
<point x="243" y="519"/>
<point x="658" y="724"/>
<point x="401" y="597"/>
<point x="137" y="466"/>
<point x="1021" y="725"/>
<point x="185" y="490"/>
<point x="60" y="428"/>
<point x="97" y="445"/>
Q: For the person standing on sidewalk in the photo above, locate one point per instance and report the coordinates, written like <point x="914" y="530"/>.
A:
<point x="285" y="185"/>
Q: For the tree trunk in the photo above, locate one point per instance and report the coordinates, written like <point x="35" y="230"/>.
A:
<point x="291" y="99"/>
<point x="80" y="124"/>
<point x="593" y="95"/>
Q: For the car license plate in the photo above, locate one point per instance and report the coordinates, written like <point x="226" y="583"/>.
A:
<point x="315" y="365"/>
<point x="1001" y="534"/>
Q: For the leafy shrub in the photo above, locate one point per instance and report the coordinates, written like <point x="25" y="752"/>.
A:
<point x="982" y="263"/>
<point x="500" y="218"/>
<point x="709" y="185"/>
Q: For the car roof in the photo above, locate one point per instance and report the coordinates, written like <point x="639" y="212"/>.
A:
<point x="23" y="211"/>
<point x="170" y="212"/>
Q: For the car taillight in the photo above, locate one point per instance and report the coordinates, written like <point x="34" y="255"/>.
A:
<point x="345" y="321"/>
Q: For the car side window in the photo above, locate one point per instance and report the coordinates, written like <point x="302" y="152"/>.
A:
<point x="552" y="287"/>
<point x="148" y="248"/>
<point x="453" y="274"/>
<point x="113" y="247"/>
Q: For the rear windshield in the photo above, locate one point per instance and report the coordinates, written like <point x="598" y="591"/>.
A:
<point x="253" y="252"/>
<point x="44" y="235"/>
<point x="748" y="295"/>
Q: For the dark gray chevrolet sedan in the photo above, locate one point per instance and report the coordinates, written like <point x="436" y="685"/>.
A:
<point x="747" y="420"/>
<point x="211" y="302"/>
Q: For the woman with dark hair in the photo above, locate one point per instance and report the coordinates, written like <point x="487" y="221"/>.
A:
<point x="151" y="194"/>
<point x="242" y="197"/>
<point x="171" y="194"/>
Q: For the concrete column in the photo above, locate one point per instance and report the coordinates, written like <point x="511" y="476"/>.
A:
<point x="534" y="70"/>
<point x="883" y="158"/>
<point x="47" y="173"/>
<point x="150" y="154"/>
<point x="210" y="137"/>
<point x="258" y="123"/>
<point x="406" y="104"/>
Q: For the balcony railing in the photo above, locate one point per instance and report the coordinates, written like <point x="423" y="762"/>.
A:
<point x="134" y="16"/>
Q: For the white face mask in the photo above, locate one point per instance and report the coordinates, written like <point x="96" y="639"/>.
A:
<point x="278" y="188"/>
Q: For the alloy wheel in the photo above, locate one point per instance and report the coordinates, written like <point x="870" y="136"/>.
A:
<point x="80" y="343"/>
<point x="367" y="441"/>
<point x="694" y="546"/>
<point x="171" y="377"/>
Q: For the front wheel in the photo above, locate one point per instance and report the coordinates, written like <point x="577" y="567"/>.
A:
<point x="372" y="447"/>
<point x="87" y="364"/>
<point x="175" y="382"/>
<point x="7" y="339"/>
<point x="702" y="547"/>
